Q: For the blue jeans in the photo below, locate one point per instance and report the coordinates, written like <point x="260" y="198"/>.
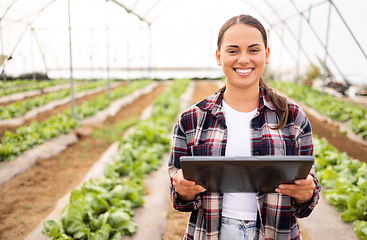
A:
<point x="234" y="229"/>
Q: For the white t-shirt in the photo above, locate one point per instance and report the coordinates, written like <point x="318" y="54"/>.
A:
<point x="238" y="205"/>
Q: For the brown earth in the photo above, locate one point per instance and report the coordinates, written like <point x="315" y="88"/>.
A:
<point x="177" y="221"/>
<point x="337" y="139"/>
<point x="28" y="198"/>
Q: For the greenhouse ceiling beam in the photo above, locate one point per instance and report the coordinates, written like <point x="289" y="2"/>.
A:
<point x="128" y="10"/>
<point x="279" y="36"/>
<point x="322" y="44"/>
<point x="135" y="4"/>
<point x="350" y="31"/>
<point x="302" y="11"/>
<point x="155" y="4"/>
<point x="162" y="9"/>
<point x="6" y="11"/>
<point x="289" y="29"/>
<point x="3" y="65"/>
<point x="40" y="49"/>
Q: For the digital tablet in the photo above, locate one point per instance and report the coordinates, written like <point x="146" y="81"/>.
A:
<point x="245" y="174"/>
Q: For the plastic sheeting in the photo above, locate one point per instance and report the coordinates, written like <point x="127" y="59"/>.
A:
<point x="128" y="38"/>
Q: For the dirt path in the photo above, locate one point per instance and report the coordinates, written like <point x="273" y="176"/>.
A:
<point x="28" y="198"/>
<point x="177" y="221"/>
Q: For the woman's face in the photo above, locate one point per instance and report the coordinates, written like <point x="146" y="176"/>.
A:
<point x="242" y="56"/>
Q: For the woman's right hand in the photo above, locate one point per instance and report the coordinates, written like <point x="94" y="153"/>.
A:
<point x="186" y="189"/>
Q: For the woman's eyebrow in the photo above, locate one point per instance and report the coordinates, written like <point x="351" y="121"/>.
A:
<point x="236" y="46"/>
<point x="254" y="45"/>
<point x="232" y="46"/>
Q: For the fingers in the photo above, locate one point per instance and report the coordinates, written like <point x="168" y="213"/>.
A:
<point x="185" y="188"/>
<point x="301" y="191"/>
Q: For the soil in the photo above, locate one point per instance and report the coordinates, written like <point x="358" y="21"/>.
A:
<point x="337" y="139"/>
<point x="177" y="221"/>
<point x="28" y="198"/>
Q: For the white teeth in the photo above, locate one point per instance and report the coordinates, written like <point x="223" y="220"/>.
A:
<point x="243" y="70"/>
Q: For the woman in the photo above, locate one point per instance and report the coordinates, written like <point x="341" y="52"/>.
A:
<point x="243" y="118"/>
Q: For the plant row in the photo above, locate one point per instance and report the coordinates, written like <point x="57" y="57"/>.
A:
<point x="25" y="137"/>
<point x="10" y="87"/>
<point x="327" y="105"/>
<point x="20" y="108"/>
<point x="102" y="209"/>
<point x="345" y="180"/>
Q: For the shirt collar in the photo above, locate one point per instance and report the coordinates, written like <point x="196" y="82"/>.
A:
<point x="214" y="104"/>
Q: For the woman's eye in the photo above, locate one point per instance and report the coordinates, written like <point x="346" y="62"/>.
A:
<point x="254" y="50"/>
<point x="232" y="51"/>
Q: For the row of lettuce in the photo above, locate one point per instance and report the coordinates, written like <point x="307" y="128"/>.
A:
<point x="343" y="178"/>
<point x="336" y="109"/>
<point x="102" y="209"/>
<point x="25" y="137"/>
<point x="16" y="86"/>
<point x="344" y="182"/>
<point x="20" y="108"/>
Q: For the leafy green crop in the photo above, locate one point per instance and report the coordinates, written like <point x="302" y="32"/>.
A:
<point x="20" y="108"/>
<point x="12" y="144"/>
<point x="345" y="180"/>
<point x="103" y="209"/>
<point x="327" y="105"/>
<point x="10" y="87"/>
<point x="360" y="227"/>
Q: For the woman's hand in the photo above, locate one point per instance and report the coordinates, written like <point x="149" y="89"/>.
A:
<point x="186" y="189"/>
<point x="301" y="191"/>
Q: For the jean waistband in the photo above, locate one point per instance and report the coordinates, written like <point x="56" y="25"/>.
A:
<point x="238" y="222"/>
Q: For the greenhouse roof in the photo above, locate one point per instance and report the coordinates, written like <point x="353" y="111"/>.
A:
<point x="176" y="36"/>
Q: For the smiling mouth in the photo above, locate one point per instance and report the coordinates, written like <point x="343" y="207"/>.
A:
<point x="242" y="71"/>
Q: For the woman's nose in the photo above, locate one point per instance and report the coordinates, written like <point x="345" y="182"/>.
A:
<point x="243" y="58"/>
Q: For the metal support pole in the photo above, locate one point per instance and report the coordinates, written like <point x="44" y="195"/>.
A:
<point x="210" y="58"/>
<point x="2" y="52"/>
<point x="40" y="49"/>
<point x="322" y="44"/>
<point x="91" y="54"/>
<point x="32" y="57"/>
<point x="326" y="52"/>
<point x="71" y="66"/>
<point x="107" y="54"/>
<point x="350" y="31"/>
<point x="128" y="57"/>
<point x="289" y="29"/>
<point x="280" y="37"/>
<point x="150" y="52"/>
<point x="299" y="50"/>
<point x="281" y="56"/>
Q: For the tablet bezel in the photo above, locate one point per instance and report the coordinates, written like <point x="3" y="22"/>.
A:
<point x="245" y="174"/>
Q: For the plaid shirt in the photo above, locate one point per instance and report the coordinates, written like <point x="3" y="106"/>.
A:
<point x="202" y="131"/>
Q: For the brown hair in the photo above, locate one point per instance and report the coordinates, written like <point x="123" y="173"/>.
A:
<point x="279" y="102"/>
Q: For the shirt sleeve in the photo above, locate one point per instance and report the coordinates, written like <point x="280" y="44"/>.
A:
<point x="305" y="147"/>
<point x="179" y="148"/>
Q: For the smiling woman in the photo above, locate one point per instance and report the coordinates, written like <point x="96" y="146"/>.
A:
<point x="244" y="118"/>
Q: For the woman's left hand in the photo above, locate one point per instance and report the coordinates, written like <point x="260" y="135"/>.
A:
<point x="301" y="191"/>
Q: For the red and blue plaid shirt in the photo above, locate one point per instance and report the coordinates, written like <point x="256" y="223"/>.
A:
<point x="202" y="131"/>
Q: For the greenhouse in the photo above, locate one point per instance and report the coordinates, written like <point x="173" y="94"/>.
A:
<point x="91" y="92"/>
